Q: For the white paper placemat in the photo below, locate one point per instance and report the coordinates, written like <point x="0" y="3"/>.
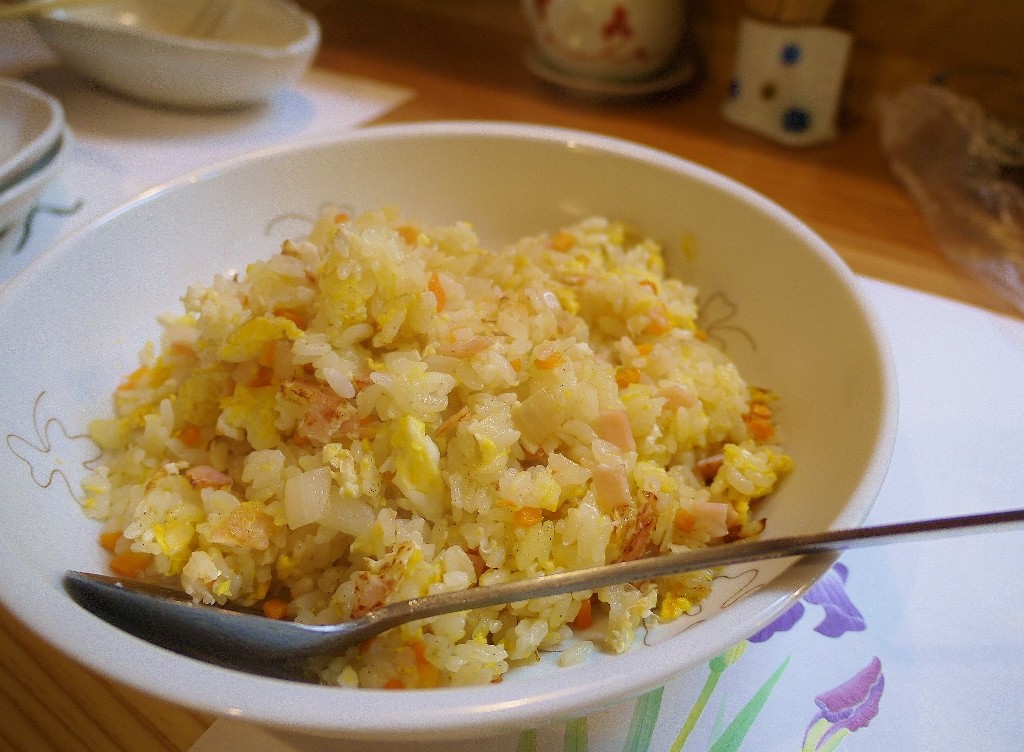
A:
<point x="917" y="646"/>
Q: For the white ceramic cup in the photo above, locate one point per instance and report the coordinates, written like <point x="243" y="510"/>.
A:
<point x="616" y="40"/>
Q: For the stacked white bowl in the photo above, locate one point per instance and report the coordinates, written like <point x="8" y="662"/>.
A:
<point x="34" y="144"/>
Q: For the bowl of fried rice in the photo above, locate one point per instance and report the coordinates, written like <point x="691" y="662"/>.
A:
<point x="413" y="359"/>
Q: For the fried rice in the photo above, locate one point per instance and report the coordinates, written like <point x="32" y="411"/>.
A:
<point x="385" y="410"/>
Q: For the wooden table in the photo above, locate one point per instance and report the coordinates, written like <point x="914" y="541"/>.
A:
<point x="463" y="64"/>
<point x="469" y="65"/>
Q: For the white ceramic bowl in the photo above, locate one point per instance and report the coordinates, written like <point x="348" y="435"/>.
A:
<point x="31" y="121"/>
<point x="787" y="310"/>
<point x="191" y="53"/>
<point x="17" y="200"/>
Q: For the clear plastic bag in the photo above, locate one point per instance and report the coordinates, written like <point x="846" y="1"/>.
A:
<point x="965" y="169"/>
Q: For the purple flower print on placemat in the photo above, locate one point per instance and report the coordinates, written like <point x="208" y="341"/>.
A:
<point x="841" y="616"/>
<point x="845" y="708"/>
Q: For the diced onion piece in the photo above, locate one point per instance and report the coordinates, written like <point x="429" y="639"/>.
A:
<point x="306" y="496"/>
<point x="539" y="415"/>
<point x="352" y="516"/>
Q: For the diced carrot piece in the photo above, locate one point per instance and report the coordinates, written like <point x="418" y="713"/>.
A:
<point x="562" y="241"/>
<point x="130" y="563"/>
<point x="516" y="363"/>
<point x="275" y="608"/>
<point x="109" y="540"/>
<point x="759" y="421"/>
<point x="644" y="348"/>
<point x="528" y="516"/>
<point x="760" y="428"/>
<point x="427" y="673"/>
<point x="268" y="354"/>
<point x="419" y="648"/>
<point x="340" y="217"/>
<point x="658" y="320"/>
<point x="183" y="349"/>
<point x="434" y="285"/>
<point x="626" y="376"/>
<point x="394" y="684"/>
<point x="262" y="378"/>
<point x="132" y="380"/>
<point x="684" y="521"/>
<point x="551" y="361"/>
<point x="191" y="436"/>
<point x="296" y="317"/>
<point x="409" y="234"/>
<point x="585" y="616"/>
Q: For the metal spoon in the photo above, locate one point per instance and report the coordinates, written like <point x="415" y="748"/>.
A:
<point x="246" y="640"/>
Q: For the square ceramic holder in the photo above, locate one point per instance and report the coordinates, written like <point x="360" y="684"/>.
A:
<point x="788" y="81"/>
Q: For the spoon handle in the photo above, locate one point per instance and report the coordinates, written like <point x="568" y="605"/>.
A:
<point x="689" y="561"/>
<point x="271" y="647"/>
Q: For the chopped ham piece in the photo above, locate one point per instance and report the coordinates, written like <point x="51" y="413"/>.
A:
<point x="611" y="486"/>
<point x="204" y="476"/>
<point x="712" y="517"/>
<point x="613" y="426"/>
<point x="464" y="348"/>
<point x="707" y="468"/>
<point x="676" y="396"/>
<point x="643" y="528"/>
<point x="326" y="412"/>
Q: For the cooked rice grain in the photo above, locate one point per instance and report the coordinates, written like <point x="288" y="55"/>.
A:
<point x="385" y="410"/>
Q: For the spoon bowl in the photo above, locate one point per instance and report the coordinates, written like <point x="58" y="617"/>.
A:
<point x="193" y="54"/>
<point x="245" y="640"/>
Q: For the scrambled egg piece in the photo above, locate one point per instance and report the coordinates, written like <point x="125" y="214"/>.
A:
<point x="253" y="410"/>
<point x="418" y="467"/>
<point x="247" y="341"/>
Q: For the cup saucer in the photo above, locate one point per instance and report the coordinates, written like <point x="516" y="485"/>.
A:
<point x="677" y="74"/>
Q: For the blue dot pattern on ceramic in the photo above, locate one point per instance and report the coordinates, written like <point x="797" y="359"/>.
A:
<point x="734" y="88"/>
<point x="796" y="120"/>
<point x="791" y="54"/>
